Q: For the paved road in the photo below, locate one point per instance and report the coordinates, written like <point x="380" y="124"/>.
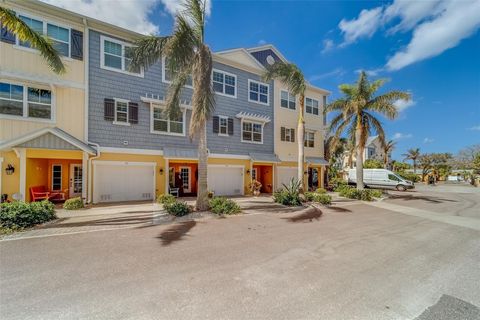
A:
<point x="352" y="262"/>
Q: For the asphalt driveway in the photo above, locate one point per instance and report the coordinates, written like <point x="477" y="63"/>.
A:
<point x="351" y="262"/>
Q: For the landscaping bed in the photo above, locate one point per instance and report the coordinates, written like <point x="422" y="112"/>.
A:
<point x="19" y="215"/>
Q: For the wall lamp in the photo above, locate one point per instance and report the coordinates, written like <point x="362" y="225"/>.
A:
<point x="248" y="171"/>
<point x="9" y="169"/>
<point x="161" y="171"/>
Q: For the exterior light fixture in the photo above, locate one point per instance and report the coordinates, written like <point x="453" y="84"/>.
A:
<point x="248" y="171"/>
<point x="9" y="169"/>
<point x="161" y="171"/>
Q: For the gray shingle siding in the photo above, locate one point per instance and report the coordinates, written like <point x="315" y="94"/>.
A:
<point x="261" y="56"/>
<point x="110" y="84"/>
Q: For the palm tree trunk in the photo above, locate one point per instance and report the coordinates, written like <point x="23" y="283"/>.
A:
<point x="415" y="166"/>
<point x="202" y="191"/>
<point x="301" y="139"/>
<point x="359" y="160"/>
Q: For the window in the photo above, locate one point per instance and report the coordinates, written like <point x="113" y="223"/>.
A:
<point x="162" y="124"/>
<point x="121" y="111"/>
<point x="223" y="125"/>
<point x="56" y="177"/>
<point x="224" y="83"/>
<point x="287" y="134"/>
<point x="258" y="92"/>
<point x="393" y="177"/>
<point x="287" y="100"/>
<point x="371" y="152"/>
<point x="254" y="174"/>
<point x="34" y="24"/>
<point x="167" y="74"/>
<point x="24" y="101"/>
<point x="60" y="37"/>
<point x="11" y="99"/>
<point x="117" y="56"/>
<point x="252" y="132"/>
<point x="309" y="139"/>
<point x="324" y="105"/>
<point x="311" y="106"/>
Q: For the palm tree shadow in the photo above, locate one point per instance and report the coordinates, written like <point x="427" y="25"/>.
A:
<point x="410" y="197"/>
<point x="176" y="232"/>
<point x="311" y="214"/>
<point x="339" y="209"/>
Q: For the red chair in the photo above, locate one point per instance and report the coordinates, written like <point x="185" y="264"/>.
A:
<point x="39" y="193"/>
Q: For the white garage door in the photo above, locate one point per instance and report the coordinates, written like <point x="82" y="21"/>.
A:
<point x="225" y="180"/>
<point x="285" y="175"/>
<point x="123" y="181"/>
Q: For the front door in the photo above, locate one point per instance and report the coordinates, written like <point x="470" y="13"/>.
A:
<point x="76" y="177"/>
<point x="185" y="176"/>
<point x="313" y="179"/>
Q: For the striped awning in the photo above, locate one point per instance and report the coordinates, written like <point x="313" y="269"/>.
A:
<point x="253" y="117"/>
<point x="317" y="161"/>
<point x="180" y="153"/>
<point x="264" y="157"/>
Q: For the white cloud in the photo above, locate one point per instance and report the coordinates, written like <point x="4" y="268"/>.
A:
<point x="401" y="104"/>
<point x="334" y="73"/>
<point x="428" y="140"/>
<point x="327" y="45"/>
<point x="475" y="128"/>
<point x="370" y="73"/>
<point x="437" y="25"/>
<point x="362" y="27"/>
<point x="398" y="136"/>
<point x="173" y="6"/>
<point x="262" y="42"/>
<point x="129" y="14"/>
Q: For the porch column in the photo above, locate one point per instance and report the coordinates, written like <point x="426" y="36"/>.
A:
<point x="1" y="172"/>
<point x="22" y="155"/>
<point x="84" y="176"/>
<point x="167" y="176"/>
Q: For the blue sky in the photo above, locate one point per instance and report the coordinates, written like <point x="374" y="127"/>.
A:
<point x="430" y="48"/>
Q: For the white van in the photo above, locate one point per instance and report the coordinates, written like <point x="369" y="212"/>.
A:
<point x="380" y="178"/>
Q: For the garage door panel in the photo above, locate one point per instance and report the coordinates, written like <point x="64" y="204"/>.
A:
<point x="225" y="180"/>
<point x="285" y="175"/>
<point x="123" y="182"/>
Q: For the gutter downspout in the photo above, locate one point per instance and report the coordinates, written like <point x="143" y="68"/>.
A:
<point x="89" y="189"/>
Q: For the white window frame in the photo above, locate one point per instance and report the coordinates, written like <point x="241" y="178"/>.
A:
<point x="229" y="74"/>
<point x="167" y="133"/>
<point x="252" y="122"/>
<point x="318" y="106"/>
<point x="123" y="44"/>
<point x="44" y="32"/>
<point x="61" y="176"/>
<point x="259" y="84"/>
<point x="305" y="139"/>
<point x="254" y="173"/>
<point x="289" y="134"/>
<point x="24" y="116"/>
<point x="289" y="95"/>
<point x="164" y="72"/>
<point x="220" y="126"/>
<point x="121" y="123"/>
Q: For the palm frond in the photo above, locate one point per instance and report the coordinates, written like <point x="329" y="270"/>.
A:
<point x="377" y="125"/>
<point x="195" y="11"/>
<point x="182" y="45"/>
<point x="384" y="103"/>
<point x="337" y="105"/>
<point x="42" y="43"/>
<point x="147" y="51"/>
<point x="289" y="74"/>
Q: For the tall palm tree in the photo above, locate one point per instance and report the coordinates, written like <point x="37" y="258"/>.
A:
<point x="387" y="147"/>
<point x="293" y="78"/>
<point x="412" y="154"/>
<point x="42" y="43"/>
<point x="356" y="114"/>
<point x="188" y="56"/>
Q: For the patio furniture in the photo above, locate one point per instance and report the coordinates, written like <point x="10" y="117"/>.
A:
<point x="39" y="193"/>
<point x="58" y="196"/>
<point x="174" y="192"/>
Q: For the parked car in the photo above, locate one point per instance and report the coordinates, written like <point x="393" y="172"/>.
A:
<point x="381" y="178"/>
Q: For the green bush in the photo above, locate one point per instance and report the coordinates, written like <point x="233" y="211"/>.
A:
<point x="409" y="176"/>
<point x="19" y="214"/>
<point x="289" y="195"/>
<point x="337" y="183"/>
<point x="178" y="208"/>
<point x="221" y="205"/>
<point x="342" y="187"/>
<point x="166" y="198"/>
<point x="320" y="190"/>
<point x="309" y="196"/>
<point x="322" y="198"/>
<point x="73" y="204"/>
<point x="364" y="195"/>
<point x="372" y="164"/>
<point x="376" y="193"/>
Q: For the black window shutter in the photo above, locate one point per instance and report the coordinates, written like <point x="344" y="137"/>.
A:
<point x="133" y="112"/>
<point x="230" y="126"/>
<point x="77" y="44"/>
<point x="292" y="132"/>
<point x="282" y="133"/>
<point x="216" y="124"/>
<point x="109" y="109"/>
<point x="6" y="35"/>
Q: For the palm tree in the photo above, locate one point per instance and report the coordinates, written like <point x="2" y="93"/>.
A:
<point x="387" y="147"/>
<point x="356" y="116"/>
<point x="293" y="78"/>
<point x="188" y="56"/>
<point x="412" y="154"/>
<point x="40" y="42"/>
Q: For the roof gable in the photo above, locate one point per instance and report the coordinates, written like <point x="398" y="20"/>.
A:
<point x="241" y="56"/>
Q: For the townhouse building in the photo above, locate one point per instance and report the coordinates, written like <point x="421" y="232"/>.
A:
<point x="109" y="140"/>
<point x="373" y="151"/>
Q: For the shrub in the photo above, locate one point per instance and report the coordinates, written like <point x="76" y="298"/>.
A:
<point x="409" y="176"/>
<point x="337" y="183"/>
<point x="320" y="190"/>
<point x="177" y="208"/>
<point x="342" y="187"/>
<point x="289" y="195"/>
<point x="166" y="198"/>
<point x="365" y="195"/>
<point x="322" y="198"/>
<point x="372" y="164"/>
<point x="19" y="214"/>
<point x="221" y="205"/>
<point x="376" y="193"/>
<point x="309" y="196"/>
<point x="73" y="204"/>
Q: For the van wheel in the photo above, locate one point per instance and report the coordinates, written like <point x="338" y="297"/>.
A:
<point x="401" y="187"/>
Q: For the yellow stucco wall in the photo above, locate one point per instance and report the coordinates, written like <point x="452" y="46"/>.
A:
<point x="10" y="183"/>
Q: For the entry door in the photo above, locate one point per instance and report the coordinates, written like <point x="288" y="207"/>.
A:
<point x="76" y="174"/>
<point x="186" y="179"/>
